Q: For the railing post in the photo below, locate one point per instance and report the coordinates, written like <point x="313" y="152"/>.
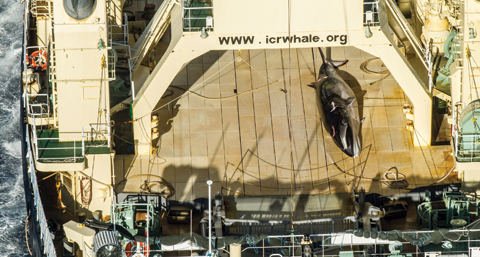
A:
<point x="83" y="146"/>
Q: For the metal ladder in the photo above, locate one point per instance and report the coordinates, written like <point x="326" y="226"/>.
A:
<point x="52" y="69"/>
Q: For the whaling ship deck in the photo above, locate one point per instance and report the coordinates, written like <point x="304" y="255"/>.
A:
<point x="249" y="144"/>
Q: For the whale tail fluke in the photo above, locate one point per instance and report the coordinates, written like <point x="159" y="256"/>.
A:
<point x="335" y="64"/>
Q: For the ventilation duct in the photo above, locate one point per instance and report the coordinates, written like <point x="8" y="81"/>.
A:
<point x="79" y="9"/>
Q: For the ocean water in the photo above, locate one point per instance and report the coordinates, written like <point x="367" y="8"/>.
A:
<point x="12" y="201"/>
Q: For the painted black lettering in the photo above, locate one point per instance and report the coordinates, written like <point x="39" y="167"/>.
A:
<point x="287" y="39"/>
<point x="297" y="38"/>
<point x="329" y="38"/>
<point x="272" y="40"/>
<point x="304" y="39"/>
<point x="225" y="40"/>
<point x="236" y="40"/>
<point x="248" y="39"/>
<point x="266" y="39"/>
<point x="343" y="39"/>
<point x="278" y="39"/>
<point x="336" y="36"/>
<point x="316" y="38"/>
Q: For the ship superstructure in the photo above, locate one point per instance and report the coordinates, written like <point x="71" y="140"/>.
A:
<point x="135" y="111"/>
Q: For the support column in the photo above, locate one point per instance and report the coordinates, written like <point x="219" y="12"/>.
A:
<point x="154" y="87"/>
<point x="413" y="87"/>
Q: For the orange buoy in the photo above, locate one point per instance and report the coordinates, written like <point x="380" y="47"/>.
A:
<point x="38" y="60"/>
<point x="129" y="247"/>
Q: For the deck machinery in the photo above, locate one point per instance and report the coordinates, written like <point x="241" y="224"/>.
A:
<point x="95" y="73"/>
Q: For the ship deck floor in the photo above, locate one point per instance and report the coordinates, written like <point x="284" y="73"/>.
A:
<point x="248" y="145"/>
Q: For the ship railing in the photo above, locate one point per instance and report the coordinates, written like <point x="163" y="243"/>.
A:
<point x="48" y="246"/>
<point x="119" y="37"/>
<point x="127" y="54"/>
<point x="45" y="9"/>
<point x="196" y="18"/>
<point x="78" y="149"/>
<point x="467" y="147"/>
<point x="97" y="134"/>
<point x="114" y="11"/>
<point x="118" y="41"/>
<point x="347" y="244"/>
<point x="123" y="52"/>
<point x="371" y="13"/>
<point x="40" y="108"/>
<point x="57" y="154"/>
<point x="73" y="149"/>
<point x="33" y="98"/>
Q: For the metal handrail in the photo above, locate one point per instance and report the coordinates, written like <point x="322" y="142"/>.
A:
<point x="31" y="110"/>
<point x="375" y="14"/>
<point x="189" y="11"/>
<point x="100" y="129"/>
<point x="345" y="241"/>
<point x="471" y="154"/>
<point x="75" y="148"/>
<point x="35" y="8"/>
<point x="37" y="148"/>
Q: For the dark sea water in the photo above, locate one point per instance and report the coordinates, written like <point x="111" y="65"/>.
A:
<point x="12" y="201"/>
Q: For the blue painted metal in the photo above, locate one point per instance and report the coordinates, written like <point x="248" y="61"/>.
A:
<point x="440" y="214"/>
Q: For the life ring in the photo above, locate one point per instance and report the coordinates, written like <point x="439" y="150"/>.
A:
<point x="130" y="245"/>
<point x="38" y="60"/>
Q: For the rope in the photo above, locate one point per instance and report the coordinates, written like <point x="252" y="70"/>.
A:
<point x="364" y="69"/>
<point x="170" y="189"/>
<point x="251" y="243"/>
<point x="395" y="180"/>
<point x="26" y="234"/>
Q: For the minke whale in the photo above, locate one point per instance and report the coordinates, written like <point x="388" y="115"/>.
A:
<point x="339" y="107"/>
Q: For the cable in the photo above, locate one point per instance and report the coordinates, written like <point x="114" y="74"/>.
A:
<point x="444" y="177"/>
<point x="289" y="119"/>
<point x="421" y="148"/>
<point x="469" y="55"/>
<point x="180" y="96"/>
<point x="226" y="97"/>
